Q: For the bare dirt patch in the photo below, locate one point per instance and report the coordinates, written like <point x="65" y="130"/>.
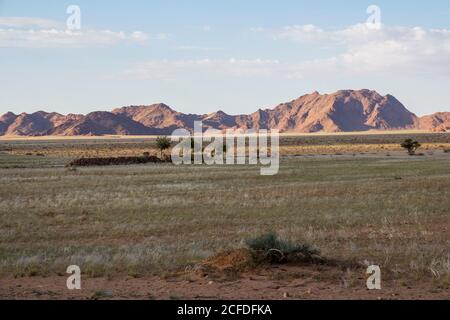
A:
<point x="275" y="282"/>
<point x="231" y="275"/>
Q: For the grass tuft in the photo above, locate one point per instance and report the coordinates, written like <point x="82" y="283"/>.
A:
<point x="270" y="248"/>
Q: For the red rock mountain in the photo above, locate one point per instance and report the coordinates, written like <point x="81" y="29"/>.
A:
<point x="436" y="122"/>
<point x="102" y="123"/>
<point x="343" y="111"/>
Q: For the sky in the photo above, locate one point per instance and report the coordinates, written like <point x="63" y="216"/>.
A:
<point x="202" y="56"/>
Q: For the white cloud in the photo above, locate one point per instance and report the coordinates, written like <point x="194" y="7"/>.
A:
<point x="196" y="48"/>
<point x="21" y="22"/>
<point x="206" y="28"/>
<point x="53" y="38"/>
<point x="166" y="69"/>
<point x="139" y="36"/>
<point x="415" y="50"/>
<point x="23" y="32"/>
<point x="358" y="50"/>
<point x="305" y="33"/>
<point x="203" y="28"/>
<point x="359" y="33"/>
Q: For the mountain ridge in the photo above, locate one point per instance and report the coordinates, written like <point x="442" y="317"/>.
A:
<point x="342" y="111"/>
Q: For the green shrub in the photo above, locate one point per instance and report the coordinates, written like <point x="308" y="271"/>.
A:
<point x="411" y="146"/>
<point x="270" y="248"/>
<point x="163" y="143"/>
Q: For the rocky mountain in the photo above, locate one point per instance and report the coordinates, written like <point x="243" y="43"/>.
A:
<point x="102" y="123"/>
<point x="436" y="122"/>
<point x="342" y="111"/>
<point x="5" y="121"/>
<point x="158" y="116"/>
<point x="27" y="124"/>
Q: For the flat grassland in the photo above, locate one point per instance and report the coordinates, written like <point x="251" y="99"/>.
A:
<point x="140" y="229"/>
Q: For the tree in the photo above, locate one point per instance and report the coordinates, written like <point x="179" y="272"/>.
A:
<point x="411" y="145"/>
<point x="163" y="143"/>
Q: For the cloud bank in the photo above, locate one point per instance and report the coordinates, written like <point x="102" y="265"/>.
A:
<point x="25" y="32"/>
<point x="407" y="50"/>
<point x="357" y="50"/>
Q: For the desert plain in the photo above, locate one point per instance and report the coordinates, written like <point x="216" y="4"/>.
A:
<point x="148" y="231"/>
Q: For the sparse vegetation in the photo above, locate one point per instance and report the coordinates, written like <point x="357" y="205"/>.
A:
<point x="411" y="146"/>
<point x="269" y="247"/>
<point x="88" y="162"/>
<point x="141" y="220"/>
<point x="332" y="203"/>
<point x="163" y="143"/>
<point x="290" y="145"/>
<point x="102" y="295"/>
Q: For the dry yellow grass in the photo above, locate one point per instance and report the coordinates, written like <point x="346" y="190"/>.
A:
<point x="290" y="145"/>
<point x="289" y="134"/>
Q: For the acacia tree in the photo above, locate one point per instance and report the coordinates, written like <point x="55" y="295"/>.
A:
<point x="411" y="146"/>
<point x="163" y="143"/>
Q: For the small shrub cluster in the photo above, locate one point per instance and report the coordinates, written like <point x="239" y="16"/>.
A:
<point x="87" y="162"/>
<point x="270" y="248"/>
<point x="163" y="143"/>
<point x="411" y="146"/>
<point x="262" y="250"/>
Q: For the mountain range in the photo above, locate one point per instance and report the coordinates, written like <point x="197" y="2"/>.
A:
<point x="342" y="111"/>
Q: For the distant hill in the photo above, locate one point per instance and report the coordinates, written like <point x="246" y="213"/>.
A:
<point x="343" y="111"/>
<point x="436" y="122"/>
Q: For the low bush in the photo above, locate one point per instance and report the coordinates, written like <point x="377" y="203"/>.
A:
<point x="87" y="162"/>
<point x="411" y="146"/>
<point x="270" y="248"/>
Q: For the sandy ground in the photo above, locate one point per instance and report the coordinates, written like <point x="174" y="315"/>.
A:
<point x="274" y="283"/>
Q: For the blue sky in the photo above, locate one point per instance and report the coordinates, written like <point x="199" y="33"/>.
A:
<point x="237" y="56"/>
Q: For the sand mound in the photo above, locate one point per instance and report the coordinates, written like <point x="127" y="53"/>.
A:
<point x="230" y="260"/>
